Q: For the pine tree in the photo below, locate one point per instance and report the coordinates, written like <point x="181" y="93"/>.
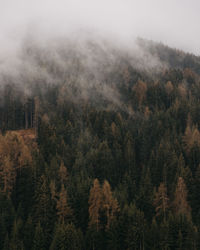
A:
<point x="164" y="235"/>
<point x="6" y="244"/>
<point x="110" y="204"/>
<point x="39" y="238"/>
<point x="104" y="162"/>
<point x="66" y="237"/>
<point x="15" y="155"/>
<point x="58" y="242"/>
<point x="182" y="232"/>
<point x="169" y="87"/>
<point x="195" y="197"/>
<point x="8" y="176"/>
<point x="95" y="203"/>
<point x="43" y="201"/>
<point x="3" y="231"/>
<point x="28" y="233"/>
<point x="64" y="212"/>
<point x="44" y="208"/>
<point x="181" y="205"/>
<point x="36" y="115"/>
<point x="129" y="153"/>
<point x="161" y="201"/>
<point x="103" y="207"/>
<point x="153" y="235"/>
<point x="145" y="196"/>
<point x="140" y="90"/>
<point x="191" y="137"/>
<point x="133" y="227"/>
<point x="15" y="241"/>
<point x="63" y="173"/>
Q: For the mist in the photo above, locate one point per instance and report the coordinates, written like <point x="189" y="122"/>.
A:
<point x="175" y="23"/>
<point x="79" y="44"/>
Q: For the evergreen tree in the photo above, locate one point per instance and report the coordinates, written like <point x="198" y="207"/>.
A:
<point x="28" y="232"/>
<point x="161" y="201"/>
<point x="66" y="237"/>
<point x="16" y="234"/>
<point x="39" y="240"/>
<point x="44" y="210"/>
<point x="181" y="205"/>
<point x="110" y="204"/>
<point x="95" y="203"/>
<point x="64" y="212"/>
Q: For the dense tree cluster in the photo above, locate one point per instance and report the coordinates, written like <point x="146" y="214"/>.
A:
<point x="108" y="171"/>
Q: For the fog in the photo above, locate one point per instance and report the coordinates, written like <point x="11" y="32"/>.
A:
<point x="85" y="47"/>
<point x="173" y="22"/>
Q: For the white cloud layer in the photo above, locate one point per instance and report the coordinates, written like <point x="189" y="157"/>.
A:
<point x="173" y="22"/>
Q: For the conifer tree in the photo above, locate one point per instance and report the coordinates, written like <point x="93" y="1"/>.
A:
<point x="181" y="205"/>
<point x="140" y="90"/>
<point x="169" y="87"/>
<point x="95" y="203"/>
<point x="133" y="227"/>
<point x="129" y="153"/>
<point x="6" y="242"/>
<point x="161" y="201"/>
<point x="3" y="231"/>
<point x="153" y="235"/>
<point x="64" y="212"/>
<point x="15" y="240"/>
<point x="39" y="238"/>
<point x="43" y="201"/>
<point x="44" y="208"/>
<point x="66" y="237"/>
<point x="58" y="242"/>
<point x="110" y="204"/>
<point x="191" y="137"/>
<point x="145" y="196"/>
<point x="28" y="233"/>
<point x="14" y="156"/>
<point x="63" y="173"/>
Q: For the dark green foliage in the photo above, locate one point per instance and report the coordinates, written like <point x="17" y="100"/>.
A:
<point x="133" y="128"/>
<point x="39" y="238"/>
<point x="66" y="237"/>
<point x="16" y="237"/>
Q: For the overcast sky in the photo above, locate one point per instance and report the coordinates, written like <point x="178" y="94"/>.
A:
<point x="173" y="22"/>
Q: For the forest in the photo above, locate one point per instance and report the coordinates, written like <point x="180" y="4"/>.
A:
<point x="100" y="148"/>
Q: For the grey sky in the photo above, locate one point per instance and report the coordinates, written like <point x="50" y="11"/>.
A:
<point x="173" y="22"/>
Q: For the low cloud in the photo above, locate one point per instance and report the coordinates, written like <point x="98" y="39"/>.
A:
<point x="174" y="23"/>
<point x="79" y="43"/>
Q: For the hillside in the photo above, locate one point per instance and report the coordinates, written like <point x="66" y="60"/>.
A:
<point x="173" y="57"/>
<point x="115" y="163"/>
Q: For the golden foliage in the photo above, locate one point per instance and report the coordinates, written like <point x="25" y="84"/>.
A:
<point x="63" y="173"/>
<point x="147" y="112"/>
<point x="169" y="87"/>
<point x="95" y="202"/>
<point x="161" y="200"/>
<point x="181" y="205"/>
<point x="182" y="91"/>
<point x="53" y="190"/>
<point x="63" y="210"/>
<point x="14" y="155"/>
<point x="188" y="73"/>
<point x="140" y="90"/>
<point x="191" y="138"/>
<point x="110" y="204"/>
<point x="102" y="202"/>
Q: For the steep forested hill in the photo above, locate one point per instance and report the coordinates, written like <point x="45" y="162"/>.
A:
<point x="174" y="57"/>
<point x="100" y="147"/>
